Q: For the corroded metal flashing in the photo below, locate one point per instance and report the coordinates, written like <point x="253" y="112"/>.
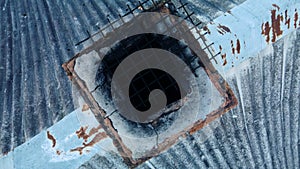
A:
<point x="221" y="85"/>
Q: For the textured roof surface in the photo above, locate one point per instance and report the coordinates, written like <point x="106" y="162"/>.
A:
<point x="261" y="132"/>
<point x="36" y="38"/>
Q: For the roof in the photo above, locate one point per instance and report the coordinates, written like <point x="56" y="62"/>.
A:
<point x="38" y="37"/>
<point x="262" y="131"/>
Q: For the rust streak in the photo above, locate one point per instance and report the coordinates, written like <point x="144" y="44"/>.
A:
<point x="295" y="18"/>
<point x="94" y="130"/>
<point x="267" y="31"/>
<point x="58" y="152"/>
<point x="79" y="149"/>
<point x="276" y="6"/>
<point x="287" y="19"/>
<point x="232" y="47"/>
<point x="262" y="29"/>
<point x="96" y="139"/>
<point x="205" y="28"/>
<point x="220" y="32"/>
<point x="223" y="56"/>
<point x="276" y="30"/>
<point x="81" y="133"/>
<point x="225" y="62"/>
<point x="238" y="46"/>
<point x="275" y="25"/>
<point x="100" y="136"/>
<point x="51" y="137"/>
<point x="224" y="29"/>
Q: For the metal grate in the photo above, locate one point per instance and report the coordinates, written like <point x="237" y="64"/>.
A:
<point x="150" y="43"/>
<point x="115" y="57"/>
<point x="148" y="5"/>
<point x="147" y="80"/>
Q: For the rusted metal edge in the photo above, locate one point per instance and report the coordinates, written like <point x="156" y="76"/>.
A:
<point x="98" y="112"/>
<point x="125" y="152"/>
<point x="221" y="85"/>
<point x="229" y="103"/>
<point x="218" y="81"/>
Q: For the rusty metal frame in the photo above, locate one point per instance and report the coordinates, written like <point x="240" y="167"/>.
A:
<point x="106" y="123"/>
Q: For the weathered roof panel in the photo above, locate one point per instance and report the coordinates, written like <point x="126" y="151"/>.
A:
<point x="261" y="132"/>
<point x="37" y="37"/>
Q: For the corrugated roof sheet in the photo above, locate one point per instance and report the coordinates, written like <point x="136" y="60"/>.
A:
<point x="261" y="132"/>
<point x="37" y="37"/>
